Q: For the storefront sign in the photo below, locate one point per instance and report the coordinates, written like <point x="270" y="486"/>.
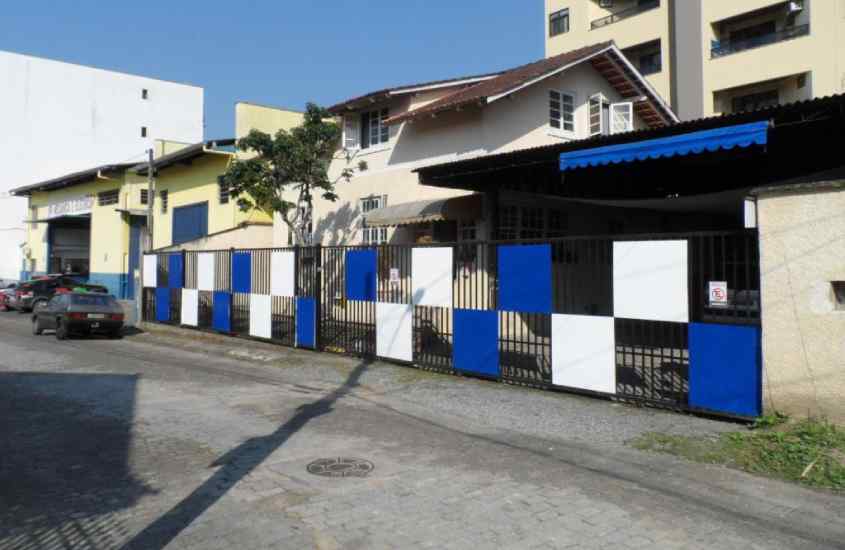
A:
<point x="718" y="293"/>
<point x="75" y="206"/>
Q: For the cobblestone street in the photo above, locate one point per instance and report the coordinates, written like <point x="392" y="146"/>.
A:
<point x="194" y="441"/>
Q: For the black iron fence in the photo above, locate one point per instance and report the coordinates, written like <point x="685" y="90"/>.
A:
<point x="617" y="16"/>
<point x="651" y="355"/>
<point x="721" y="48"/>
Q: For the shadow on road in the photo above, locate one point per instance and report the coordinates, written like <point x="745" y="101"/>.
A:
<point x="234" y="466"/>
<point x="64" y="468"/>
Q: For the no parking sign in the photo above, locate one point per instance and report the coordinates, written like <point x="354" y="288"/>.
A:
<point x="718" y="293"/>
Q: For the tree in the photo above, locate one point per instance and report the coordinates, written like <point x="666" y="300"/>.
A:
<point x="289" y="165"/>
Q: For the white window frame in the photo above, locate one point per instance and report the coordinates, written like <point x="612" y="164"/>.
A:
<point x="629" y="107"/>
<point x="373" y="235"/>
<point x="379" y="115"/>
<point x="562" y="131"/>
<point x="602" y="99"/>
<point x="352" y="132"/>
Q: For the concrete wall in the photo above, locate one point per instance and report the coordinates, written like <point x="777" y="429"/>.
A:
<point x="247" y="236"/>
<point x="249" y="116"/>
<point x="802" y="239"/>
<point x="59" y="118"/>
<point x="508" y="124"/>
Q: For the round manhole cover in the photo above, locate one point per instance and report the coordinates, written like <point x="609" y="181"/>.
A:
<point x="341" y="467"/>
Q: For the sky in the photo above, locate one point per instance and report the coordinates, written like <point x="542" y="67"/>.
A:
<point x="280" y="52"/>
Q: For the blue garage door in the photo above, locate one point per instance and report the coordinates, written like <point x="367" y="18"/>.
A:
<point x="190" y="222"/>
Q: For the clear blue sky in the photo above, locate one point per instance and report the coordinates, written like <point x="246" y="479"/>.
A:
<point x="280" y="52"/>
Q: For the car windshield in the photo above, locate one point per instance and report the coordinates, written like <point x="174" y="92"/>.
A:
<point x="92" y="300"/>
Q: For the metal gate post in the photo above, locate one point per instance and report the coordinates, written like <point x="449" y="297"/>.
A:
<point x="318" y="296"/>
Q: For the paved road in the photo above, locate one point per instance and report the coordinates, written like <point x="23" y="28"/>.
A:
<point x="200" y="442"/>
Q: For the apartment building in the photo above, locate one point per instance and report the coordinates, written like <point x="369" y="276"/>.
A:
<point x="710" y="57"/>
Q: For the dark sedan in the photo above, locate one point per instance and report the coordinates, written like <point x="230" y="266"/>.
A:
<point x="79" y="313"/>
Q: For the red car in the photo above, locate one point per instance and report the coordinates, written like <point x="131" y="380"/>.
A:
<point x="40" y="290"/>
<point x="5" y="294"/>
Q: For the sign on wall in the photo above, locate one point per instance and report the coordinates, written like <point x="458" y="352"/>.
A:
<point x="74" y="206"/>
<point x="718" y="293"/>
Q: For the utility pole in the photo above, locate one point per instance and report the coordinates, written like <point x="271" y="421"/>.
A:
<point x="150" y="199"/>
<point x="147" y="243"/>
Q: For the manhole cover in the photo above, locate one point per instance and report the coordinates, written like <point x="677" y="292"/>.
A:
<point x="341" y="467"/>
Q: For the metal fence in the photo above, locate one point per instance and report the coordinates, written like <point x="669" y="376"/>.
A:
<point x="436" y="307"/>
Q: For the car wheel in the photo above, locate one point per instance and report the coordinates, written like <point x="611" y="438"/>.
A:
<point x="61" y="330"/>
<point x="36" y="327"/>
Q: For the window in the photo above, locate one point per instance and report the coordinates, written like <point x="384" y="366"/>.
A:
<point x="373" y="129"/>
<point x="467" y="230"/>
<point x="621" y="117"/>
<point x="223" y="190"/>
<point x="163" y="197"/>
<point x="143" y="131"/>
<point x="373" y="235"/>
<point x="106" y="198"/>
<point x="650" y="63"/>
<point x="145" y="94"/>
<point x="559" y="22"/>
<point x="561" y="111"/>
<point x="531" y="222"/>
<point x="751" y="33"/>
<point x="838" y="294"/>
<point x="599" y="111"/>
<point x="145" y="198"/>
<point x="351" y="133"/>
<point x="755" y="101"/>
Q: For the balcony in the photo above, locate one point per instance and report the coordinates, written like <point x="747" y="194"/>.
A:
<point x="625" y="14"/>
<point x="721" y="48"/>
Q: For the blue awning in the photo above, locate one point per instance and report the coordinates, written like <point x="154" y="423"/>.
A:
<point x="743" y="135"/>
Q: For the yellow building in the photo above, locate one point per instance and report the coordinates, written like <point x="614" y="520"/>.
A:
<point x="713" y="56"/>
<point x="91" y="223"/>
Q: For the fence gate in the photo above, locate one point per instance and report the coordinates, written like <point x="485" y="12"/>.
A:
<point x="670" y="320"/>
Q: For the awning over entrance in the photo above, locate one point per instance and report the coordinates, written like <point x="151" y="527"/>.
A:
<point x="407" y="213"/>
<point x="728" y="137"/>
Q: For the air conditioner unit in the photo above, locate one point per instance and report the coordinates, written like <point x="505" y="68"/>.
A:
<point x="605" y="3"/>
<point x="794" y="6"/>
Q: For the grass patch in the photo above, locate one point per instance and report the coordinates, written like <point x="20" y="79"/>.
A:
<point x="811" y="451"/>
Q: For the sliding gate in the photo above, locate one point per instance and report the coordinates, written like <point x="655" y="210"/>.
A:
<point x="669" y="320"/>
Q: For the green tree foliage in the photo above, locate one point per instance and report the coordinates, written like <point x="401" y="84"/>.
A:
<point x="282" y="173"/>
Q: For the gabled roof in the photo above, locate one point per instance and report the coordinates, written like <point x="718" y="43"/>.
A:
<point x="605" y="57"/>
<point x="68" y="180"/>
<point x="382" y="95"/>
<point x="184" y="156"/>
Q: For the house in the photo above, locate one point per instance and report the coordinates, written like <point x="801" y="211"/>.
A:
<point x="92" y="222"/>
<point x="389" y="133"/>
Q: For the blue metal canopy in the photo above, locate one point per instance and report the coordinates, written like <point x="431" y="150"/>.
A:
<point x="742" y="135"/>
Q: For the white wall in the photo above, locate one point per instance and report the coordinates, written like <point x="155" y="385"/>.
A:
<point x="59" y="118"/>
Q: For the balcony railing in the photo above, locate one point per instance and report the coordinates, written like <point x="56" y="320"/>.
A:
<point x="721" y="48"/>
<point x="624" y="14"/>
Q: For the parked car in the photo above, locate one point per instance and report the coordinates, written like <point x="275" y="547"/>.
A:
<point x="42" y="289"/>
<point x="5" y="294"/>
<point x="79" y="313"/>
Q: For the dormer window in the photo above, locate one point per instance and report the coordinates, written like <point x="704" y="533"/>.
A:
<point x="561" y="111"/>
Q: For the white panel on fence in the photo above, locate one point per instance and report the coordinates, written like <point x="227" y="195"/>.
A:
<point x="190" y="307"/>
<point x="584" y="352"/>
<point x="150" y="271"/>
<point x="394" y="331"/>
<point x="260" y="316"/>
<point x="650" y="280"/>
<point x="431" y="276"/>
<point x="205" y="271"/>
<point x="282" y="273"/>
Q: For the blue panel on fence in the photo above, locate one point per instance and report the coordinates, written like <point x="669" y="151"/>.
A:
<point x="222" y="312"/>
<point x="306" y="323"/>
<point x="361" y="275"/>
<point x="242" y="272"/>
<point x="525" y="278"/>
<point x="163" y="305"/>
<point x="476" y="342"/>
<point x="175" y="271"/>
<point x="725" y="369"/>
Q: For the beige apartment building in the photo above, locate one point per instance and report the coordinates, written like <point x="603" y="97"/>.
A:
<point x="709" y="57"/>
